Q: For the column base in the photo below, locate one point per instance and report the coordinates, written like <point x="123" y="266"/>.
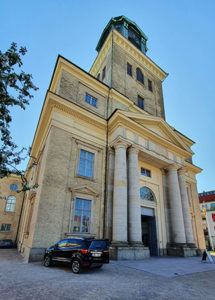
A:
<point x="181" y="250"/>
<point x="128" y="251"/>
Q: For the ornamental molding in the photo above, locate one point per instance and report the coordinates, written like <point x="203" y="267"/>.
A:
<point x="137" y="55"/>
<point x="85" y="190"/>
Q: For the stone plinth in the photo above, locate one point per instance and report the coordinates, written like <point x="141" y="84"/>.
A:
<point x="128" y="252"/>
<point x="181" y="250"/>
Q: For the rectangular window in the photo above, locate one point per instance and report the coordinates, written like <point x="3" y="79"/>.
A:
<point x="81" y="221"/>
<point x="91" y="100"/>
<point x="86" y="164"/>
<point x="149" y="85"/>
<point x="5" y="227"/>
<point x="103" y="73"/>
<point x="10" y="204"/>
<point x="140" y="102"/>
<point x="145" y="172"/>
<point x="129" y="69"/>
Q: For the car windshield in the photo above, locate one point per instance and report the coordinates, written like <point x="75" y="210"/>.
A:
<point x="99" y="245"/>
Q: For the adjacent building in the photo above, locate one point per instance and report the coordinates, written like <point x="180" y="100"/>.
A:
<point x="207" y="207"/>
<point x="108" y="164"/>
<point x="10" y="206"/>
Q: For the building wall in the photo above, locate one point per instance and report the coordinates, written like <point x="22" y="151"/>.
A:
<point x="131" y="87"/>
<point x="10" y="217"/>
<point x="59" y="185"/>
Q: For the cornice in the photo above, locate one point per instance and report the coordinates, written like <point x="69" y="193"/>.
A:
<point x="160" y="123"/>
<point x="55" y="103"/>
<point x="134" y="52"/>
<point x="81" y="75"/>
<point x="193" y="168"/>
<point x="101" y="55"/>
<point x="118" y="119"/>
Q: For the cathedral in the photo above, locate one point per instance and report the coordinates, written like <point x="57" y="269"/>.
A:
<point x="108" y="165"/>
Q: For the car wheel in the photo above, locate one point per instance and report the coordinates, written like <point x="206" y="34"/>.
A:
<point x="47" y="261"/>
<point x="76" y="266"/>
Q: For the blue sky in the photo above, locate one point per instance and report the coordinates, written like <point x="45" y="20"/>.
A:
<point x="180" y="40"/>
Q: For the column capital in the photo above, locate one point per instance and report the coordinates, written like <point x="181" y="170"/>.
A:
<point x="133" y="149"/>
<point x="182" y="171"/>
<point x="120" y="144"/>
<point x="172" y="167"/>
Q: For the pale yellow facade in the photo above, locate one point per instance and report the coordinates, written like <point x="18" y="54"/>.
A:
<point x="10" y="206"/>
<point x="123" y="139"/>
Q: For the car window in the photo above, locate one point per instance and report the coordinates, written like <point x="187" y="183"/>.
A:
<point x="99" y="245"/>
<point x="62" y="244"/>
<point x="75" y="243"/>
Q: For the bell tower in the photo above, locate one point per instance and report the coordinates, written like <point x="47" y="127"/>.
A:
<point x="123" y="65"/>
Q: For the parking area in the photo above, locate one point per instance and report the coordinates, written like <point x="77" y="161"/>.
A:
<point x="156" y="278"/>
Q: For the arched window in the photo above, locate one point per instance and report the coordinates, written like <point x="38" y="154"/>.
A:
<point x="10" y="204"/>
<point x="146" y="194"/>
<point x="139" y="75"/>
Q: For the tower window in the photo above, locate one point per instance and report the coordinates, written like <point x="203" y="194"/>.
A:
<point x="98" y="76"/>
<point x="149" y="85"/>
<point x="139" y="75"/>
<point x="134" y="38"/>
<point x="103" y="73"/>
<point x="129" y="69"/>
<point x="140" y="102"/>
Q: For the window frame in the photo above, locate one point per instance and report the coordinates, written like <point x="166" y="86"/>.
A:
<point x="91" y="100"/>
<point x="129" y="67"/>
<point x="87" y="162"/>
<point x="13" y="205"/>
<point x="139" y="75"/>
<point x="150" y="85"/>
<point x="145" y="173"/>
<point x="142" y="99"/>
<point x="5" y="230"/>
<point x="82" y="213"/>
<point x="88" y="148"/>
<point x="103" y="72"/>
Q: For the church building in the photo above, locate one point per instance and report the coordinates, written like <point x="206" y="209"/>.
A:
<point x="108" y="165"/>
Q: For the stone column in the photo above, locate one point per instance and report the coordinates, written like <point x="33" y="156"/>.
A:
<point x="185" y="207"/>
<point x="120" y="195"/>
<point x="177" y="221"/>
<point x="134" y="212"/>
<point x="110" y="183"/>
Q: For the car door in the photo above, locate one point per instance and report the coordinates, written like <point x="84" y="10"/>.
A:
<point x="58" y="253"/>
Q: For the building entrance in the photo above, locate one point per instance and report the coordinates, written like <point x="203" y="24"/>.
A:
<point x="149" y="234"/>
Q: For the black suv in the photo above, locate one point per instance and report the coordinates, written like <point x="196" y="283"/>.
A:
<point x="79" y="252"/>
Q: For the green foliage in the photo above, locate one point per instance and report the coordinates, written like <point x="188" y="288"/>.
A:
<point x="15" y="90"/>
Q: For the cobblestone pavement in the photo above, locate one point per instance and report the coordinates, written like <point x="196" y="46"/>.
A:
<point x="117" y="280"/>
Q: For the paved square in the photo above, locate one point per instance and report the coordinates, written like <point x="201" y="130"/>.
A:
<point x="169" y="266"/>
<point x="148" y="279"/>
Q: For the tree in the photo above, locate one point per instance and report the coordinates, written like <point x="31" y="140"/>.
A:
<point x="15" y="90"/>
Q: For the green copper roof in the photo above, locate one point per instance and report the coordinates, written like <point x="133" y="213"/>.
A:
<point x="119" y="20"/>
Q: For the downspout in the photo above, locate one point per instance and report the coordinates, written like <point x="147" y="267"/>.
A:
<point x="106" y="147"/>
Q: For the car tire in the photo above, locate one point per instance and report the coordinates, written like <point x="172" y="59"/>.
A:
<point x="47" y="261"/>
<point x="76" y="266"/>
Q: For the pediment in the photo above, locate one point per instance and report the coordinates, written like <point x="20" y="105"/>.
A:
<point x="159" y="127"/>
<point x="86" y="190"/>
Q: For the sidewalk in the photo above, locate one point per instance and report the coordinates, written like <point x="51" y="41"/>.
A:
<point x="169" y="266"/>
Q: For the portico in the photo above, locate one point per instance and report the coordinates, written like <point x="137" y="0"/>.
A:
<point x="170" y="204"/>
